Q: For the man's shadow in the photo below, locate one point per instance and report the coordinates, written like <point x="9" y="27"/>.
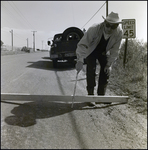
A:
<point x="26" y="114"/>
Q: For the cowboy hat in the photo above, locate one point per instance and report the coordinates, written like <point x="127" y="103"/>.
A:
<point x="113" y="18"/>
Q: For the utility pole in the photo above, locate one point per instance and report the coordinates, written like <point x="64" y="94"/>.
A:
<point x="34" y="40"/>
<point x="42" y="45"/>
<point x="12" y="38"/>
<point x="27" y="42"/>
<point x="106" y="8"/>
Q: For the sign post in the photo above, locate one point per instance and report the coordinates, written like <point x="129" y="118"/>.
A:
<point x="124" y="58"/>
<point x="129" y="31"/>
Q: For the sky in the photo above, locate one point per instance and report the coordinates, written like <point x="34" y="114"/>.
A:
<point x="48" y="18"/>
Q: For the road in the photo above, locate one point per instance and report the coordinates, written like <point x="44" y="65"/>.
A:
<point x="55" y="125"/>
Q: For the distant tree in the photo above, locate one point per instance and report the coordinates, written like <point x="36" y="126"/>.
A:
<point x="2" y="43"/>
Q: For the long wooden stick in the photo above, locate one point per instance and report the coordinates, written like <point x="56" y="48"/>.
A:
<point x="73" y="97"/>
<point x="61" y="98"/>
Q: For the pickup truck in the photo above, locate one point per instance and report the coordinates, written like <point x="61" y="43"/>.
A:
<point x="64" y="45"/>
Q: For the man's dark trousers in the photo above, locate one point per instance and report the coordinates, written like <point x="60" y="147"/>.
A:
<point x="91" y="73"/>
<point x="99" y="54"/>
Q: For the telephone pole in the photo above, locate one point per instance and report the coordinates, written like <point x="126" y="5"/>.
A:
<point x="106" y="8"/>
<point x="27" y="42"/>
<point x="12" y="38"/>
<point x="42" y="45"/>
<point x="34" y="40"/>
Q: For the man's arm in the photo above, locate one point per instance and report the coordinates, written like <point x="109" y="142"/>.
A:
<point x="114" y="51"/>
<point x="113" y="54"/>
<point x="84" y="43"/>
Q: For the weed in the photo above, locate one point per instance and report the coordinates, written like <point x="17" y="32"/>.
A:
<point x="134" y="76"/>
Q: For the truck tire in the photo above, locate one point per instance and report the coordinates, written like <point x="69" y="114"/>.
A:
<point x="54" y="63"/>
<point x="72" y="33"/>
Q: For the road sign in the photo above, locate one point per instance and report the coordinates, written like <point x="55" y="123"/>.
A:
<point x="129" y="28"/>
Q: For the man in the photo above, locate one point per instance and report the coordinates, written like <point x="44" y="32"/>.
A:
<point x="101" y="42"/>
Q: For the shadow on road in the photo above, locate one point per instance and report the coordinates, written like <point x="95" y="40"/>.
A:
<point x="45" y="58"/>
<point x="26" y="114"/>
<point x="47" y="65"/>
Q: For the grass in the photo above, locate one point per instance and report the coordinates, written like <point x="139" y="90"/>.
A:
<point x="16" y="50"/>
<point x="5" y="51"/>
<point x="131" y="80"/>
<point x="11" y="52"/>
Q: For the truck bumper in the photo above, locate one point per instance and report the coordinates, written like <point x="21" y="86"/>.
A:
<point x="62" y="56"/>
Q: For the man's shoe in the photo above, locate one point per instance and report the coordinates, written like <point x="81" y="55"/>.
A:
<point x="97" y="102"/>
<point x="107" y="102"/>
<point x="103" y="102"/>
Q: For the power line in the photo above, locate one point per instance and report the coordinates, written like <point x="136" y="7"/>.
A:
<point x="10" y="14"/>
<point x="16" y="10"/>
<point x="4" y="31"/>
<point x="20" y="13"/>
<point x="19" y="36"/>
<point x="14" y="34"/>
<point x="94" y="14"/>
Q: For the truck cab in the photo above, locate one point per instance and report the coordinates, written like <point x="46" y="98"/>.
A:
<point x="64" y="45"/>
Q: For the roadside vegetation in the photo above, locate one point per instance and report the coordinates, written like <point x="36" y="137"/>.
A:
<point x="16" y="50"/>
<point x="131" y="80"/>
<point x="7" y="52"/>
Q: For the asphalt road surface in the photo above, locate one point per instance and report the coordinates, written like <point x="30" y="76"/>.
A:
<point x="55" y="125"/>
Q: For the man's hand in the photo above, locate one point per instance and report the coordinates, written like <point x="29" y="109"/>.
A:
<point x="107" y="70"/>
<point x="79" y="66"/>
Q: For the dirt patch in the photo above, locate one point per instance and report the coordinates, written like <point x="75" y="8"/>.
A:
<point x="135" y="103"/>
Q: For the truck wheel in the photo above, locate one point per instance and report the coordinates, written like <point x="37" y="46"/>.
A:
<point x="54" y="63"/>
<point x="72" y="33"/>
